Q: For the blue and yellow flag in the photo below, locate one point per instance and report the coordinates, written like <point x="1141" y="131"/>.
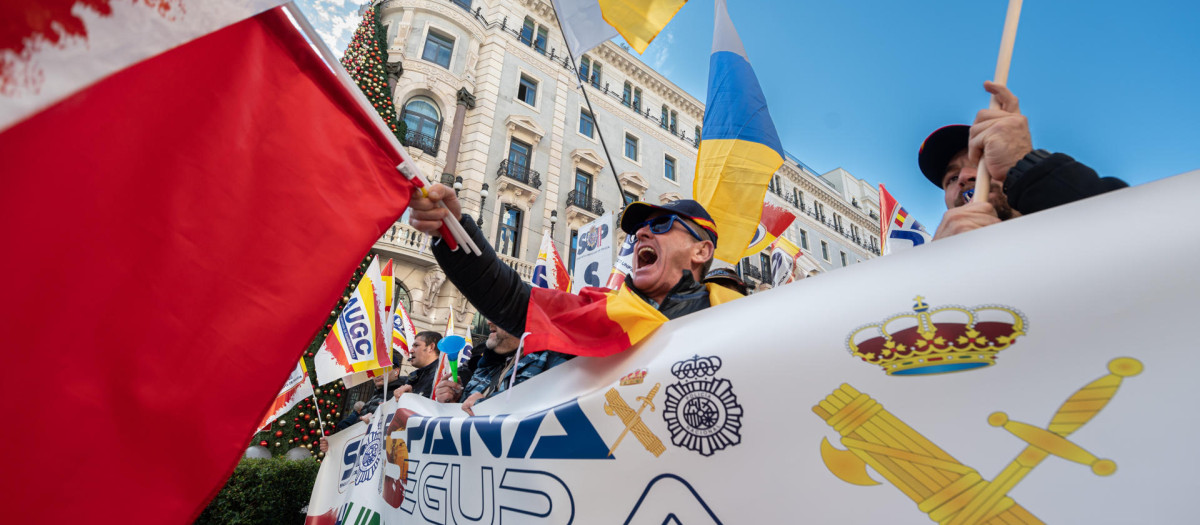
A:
<point x="739" y="148"/>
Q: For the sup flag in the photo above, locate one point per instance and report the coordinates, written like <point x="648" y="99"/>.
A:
<point x="783" y="261"/>
<point x="112" y="146"/>
<point x="900" y="231"/>
<point x="739" y="148"/>
<point x="356" y="342"/>
<point x="588" y="23"/>
<point x="624" y="263"/>
<point x="296" y="388"/>
<point x="775" y="220"/>
<point x="549" y="270"/>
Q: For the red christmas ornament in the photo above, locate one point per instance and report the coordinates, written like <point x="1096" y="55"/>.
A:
<point x="304" y="438"/>
<point x="326" y="432"/>
<point x="263" y="443"/>
<point x="278" y="433"/>
<point x="297" y="426"/>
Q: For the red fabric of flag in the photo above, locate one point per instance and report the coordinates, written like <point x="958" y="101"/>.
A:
<point x="175" y="235"/>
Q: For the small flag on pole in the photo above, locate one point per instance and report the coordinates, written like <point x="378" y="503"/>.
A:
<point x="775" y="220"/>
<point x="588" y="23"/>
<point x="783" y="261"/>
<point x="295" y="389"/>
<point x="899" y="230"/>
<point x="549" y="270"/>
<point x="356" y="342"/>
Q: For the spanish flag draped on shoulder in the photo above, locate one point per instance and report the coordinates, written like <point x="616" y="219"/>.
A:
<point x="739" y="148"/>
<point x="215" y="181"/>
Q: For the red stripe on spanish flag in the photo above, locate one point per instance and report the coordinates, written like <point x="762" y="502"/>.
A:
<point x="597" y="322"/>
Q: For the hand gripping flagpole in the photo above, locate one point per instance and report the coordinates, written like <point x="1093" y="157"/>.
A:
<point x="983" y="180"/>
<point x="452" y="232"/>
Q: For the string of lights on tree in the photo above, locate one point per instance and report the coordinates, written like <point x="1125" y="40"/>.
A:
<point x="364" y="60"/>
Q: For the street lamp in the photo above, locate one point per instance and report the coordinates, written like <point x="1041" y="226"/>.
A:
<point x="483" y="195"/>
<point x="553" y="220"/>
<point x="458" y="185"/>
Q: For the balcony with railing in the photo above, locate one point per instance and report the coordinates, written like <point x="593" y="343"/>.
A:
<point x="421" y="141"/>
<point x="585" y="202"/>
<point x="520" y="173"/>
<point x="404" y="242"/>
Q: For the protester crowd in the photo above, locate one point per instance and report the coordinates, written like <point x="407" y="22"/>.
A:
<point x="676" y="241"/>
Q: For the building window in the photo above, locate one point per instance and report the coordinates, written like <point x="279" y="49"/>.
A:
<point x="773" y="184"/>
<point x="518" y="158"/>
<point x="697" y="134"/>
<point x="637" y="99"/>
<point x="804" y="239"/>
<point x="674" y="122"/>
<point x="819" y="211"/>
<point x="854" y="231"/>
<point x="465" y="4"/>
<point x="764" y="261"/>
<point x="627" y="95"/>
<point x="539" y="43"/>
<point x="510" y="231"/>
<point x="571" y="256"/>
<point x="596" y="75"/>
<point x="527" y="31"/>
<point x="585" y="68"/>
<point x="874" y="242"/>
<point x="438" y="48"/>
<point x="843" y="258"/>
<point x="631" y="147"/>
<point x="424" y="122"/>
<point x="837" y="222"/>
<point x="798" y="196"/>
<point x="663" y="122"/>
<point x="669" y="168"/>
<point x="587" y="124"/>
<point x="629" y="197"/>
<point x="583" y="188"/>
<point x="825" y="251"/>
<point x="527" y="91"/>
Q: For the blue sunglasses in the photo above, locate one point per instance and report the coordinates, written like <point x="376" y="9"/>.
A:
<point x="663" y="223"/>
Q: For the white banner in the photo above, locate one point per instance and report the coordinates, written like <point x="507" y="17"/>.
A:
<point x="593" y="253"/>
<point x="832" y="401"/>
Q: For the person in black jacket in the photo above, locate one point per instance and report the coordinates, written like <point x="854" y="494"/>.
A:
<point x="675" y="243"/>
<point x="1023" y="179"/>
<point x="425" y="355"/>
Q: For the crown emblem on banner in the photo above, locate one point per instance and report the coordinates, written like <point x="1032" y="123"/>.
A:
<point x="938" y="340"/>
<point x="634" y="378"/>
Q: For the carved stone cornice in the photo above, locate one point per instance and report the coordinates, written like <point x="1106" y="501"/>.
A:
<point x="524" y="127"/>
<point x="644" y="126"/>
<point x="587" y="159"/>
<point x="668" y="197"/>
<point x="577" y="217"/>
<point x="541" y="9"/>
<point x="509" y="191"/>
<point x="465" y="98"/>
<point x="635" y="70"/>
<point x="633" y="182"/>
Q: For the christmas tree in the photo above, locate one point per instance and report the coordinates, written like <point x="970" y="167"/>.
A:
<point x="365" y="59"/>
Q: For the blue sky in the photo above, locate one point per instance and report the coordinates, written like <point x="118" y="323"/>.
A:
<point x="860" y="84"/>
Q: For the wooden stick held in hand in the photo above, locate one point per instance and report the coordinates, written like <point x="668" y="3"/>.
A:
<point x="983" y="181"/>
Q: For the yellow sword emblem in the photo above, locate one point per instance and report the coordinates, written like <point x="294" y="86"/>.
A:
<point x="616" y="406"/>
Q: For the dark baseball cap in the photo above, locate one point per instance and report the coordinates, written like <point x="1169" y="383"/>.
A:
<point x="637" y="212"/>
<point x="726" y="277"/>
<point x="939" y="147"/>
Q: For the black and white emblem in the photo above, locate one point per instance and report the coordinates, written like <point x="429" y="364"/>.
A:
<point x="701" y="411"/>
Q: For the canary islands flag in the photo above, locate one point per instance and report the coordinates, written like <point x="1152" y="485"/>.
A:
<point x="739" y="148"/>
<point x="899" y="229"/>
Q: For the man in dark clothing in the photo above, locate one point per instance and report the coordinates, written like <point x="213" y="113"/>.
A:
<point x="675" y="242"/>
<point x="495" y="368"/>
<point x="351" y="417"/>
<point x="1022" y="180"/>
<point x="425" y="356"/>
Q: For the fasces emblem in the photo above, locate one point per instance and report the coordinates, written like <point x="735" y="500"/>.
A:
<point x="701" y="411"/>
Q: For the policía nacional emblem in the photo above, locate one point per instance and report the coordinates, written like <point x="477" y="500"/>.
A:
<point x="937" y="340"/>
<point x="701" y="410"/>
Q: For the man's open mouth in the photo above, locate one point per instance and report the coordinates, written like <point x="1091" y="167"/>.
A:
<point x="646" y="256"/>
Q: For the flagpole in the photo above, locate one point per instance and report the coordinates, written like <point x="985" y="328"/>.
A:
<point x="318" y="407"/>
<point x="1007" y="40"/>
<point x="583" y="89"/>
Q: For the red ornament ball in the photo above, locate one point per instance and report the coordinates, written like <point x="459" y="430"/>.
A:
<point x="263" y="442"/>
<point x="304" y="437"/>
<point x="278" y="433"/>
<point x="297" y="426"/>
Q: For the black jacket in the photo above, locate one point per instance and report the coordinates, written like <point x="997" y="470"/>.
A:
<point x="1055" y="181"/>
<point x="422" y="378"/>
<point x="498" y="292"/>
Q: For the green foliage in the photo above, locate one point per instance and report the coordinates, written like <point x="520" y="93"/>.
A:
<point x="364" y="60"/>
<point x="264" y="491"/>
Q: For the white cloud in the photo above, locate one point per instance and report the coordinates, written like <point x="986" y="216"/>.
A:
<point x="334" y="20"/>
<point x="663" y="51"/>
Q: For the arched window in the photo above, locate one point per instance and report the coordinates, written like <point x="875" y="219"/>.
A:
<point x="403" y="295"/>
<point x="424" y="123"/>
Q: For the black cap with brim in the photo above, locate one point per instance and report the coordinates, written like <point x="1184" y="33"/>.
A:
<point x="724" y="277"/>
<point x="637" y="212"/>
<point x="939" y="147"/>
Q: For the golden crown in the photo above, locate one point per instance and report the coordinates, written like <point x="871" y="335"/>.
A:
<point x="634" y="378"/>
<point x="938" y="340"/>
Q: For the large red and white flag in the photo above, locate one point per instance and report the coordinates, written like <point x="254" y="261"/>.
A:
<point x="217" y="181"/>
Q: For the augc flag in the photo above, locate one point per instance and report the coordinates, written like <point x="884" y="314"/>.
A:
<point x="900" y="230"/>
<point x="403" y="330"/>
<point x="739" y="148"/>
<point x="355" y="342"/>
<point x="296" y="388"/>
